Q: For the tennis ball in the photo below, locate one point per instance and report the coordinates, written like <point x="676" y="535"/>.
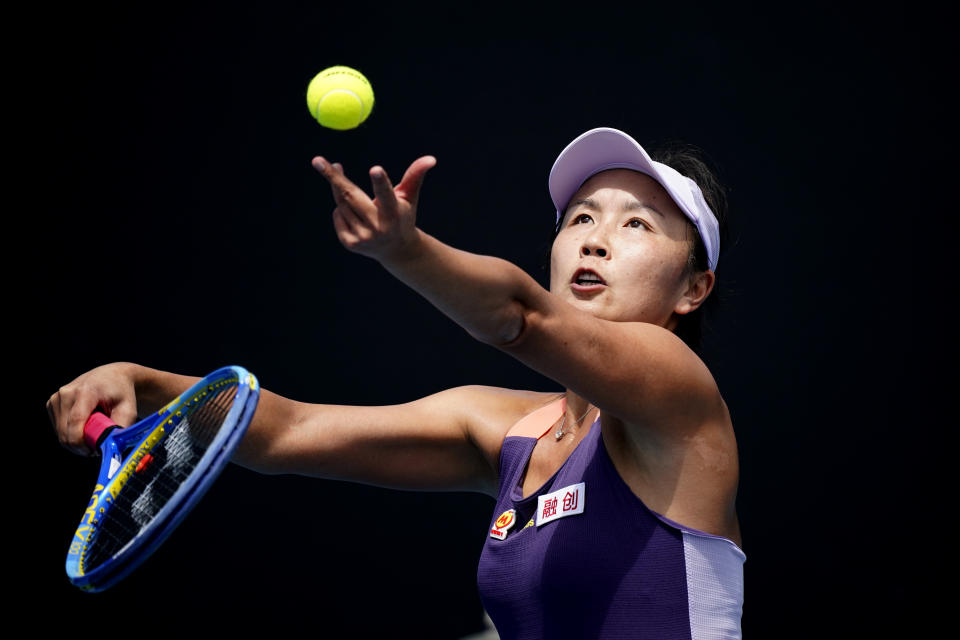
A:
<point x="340" y="98"/>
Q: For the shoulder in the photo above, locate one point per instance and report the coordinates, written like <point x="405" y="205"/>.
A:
<point x="685" y="466"/>
<point x="493" y="409"/>
<point x="487" y="413"/>
<point x="683" y="406"/>
<point x="493" y="402"/>
<point x="680" y="392"/>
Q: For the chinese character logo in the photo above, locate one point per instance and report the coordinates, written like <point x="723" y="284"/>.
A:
<point x="568" y="501"/>
<point x="549" y="508"/>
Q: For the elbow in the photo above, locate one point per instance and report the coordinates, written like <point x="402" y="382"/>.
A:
<point x="257" y="454"/>
<point x="514" y="328"/>
<point x="506" y="329"/>
<point x="512" y="315"/>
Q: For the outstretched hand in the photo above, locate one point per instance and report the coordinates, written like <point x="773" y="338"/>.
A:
<point x="382" y="227"/>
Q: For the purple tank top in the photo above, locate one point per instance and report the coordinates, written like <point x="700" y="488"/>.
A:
<point x="583" y="557"/>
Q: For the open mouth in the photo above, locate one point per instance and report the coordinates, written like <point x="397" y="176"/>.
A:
<point x="587" y="278"/>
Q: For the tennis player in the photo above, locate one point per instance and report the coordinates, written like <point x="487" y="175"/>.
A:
<point x="614" y="513"/>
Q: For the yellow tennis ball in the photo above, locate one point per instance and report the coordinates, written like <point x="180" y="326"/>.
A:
<point x="340" y="98"/>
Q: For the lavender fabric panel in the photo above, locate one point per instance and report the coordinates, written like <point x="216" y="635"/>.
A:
<point x="714" y="586"/>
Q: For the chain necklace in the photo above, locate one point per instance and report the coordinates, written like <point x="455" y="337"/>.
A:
<point x="559" y="434"/>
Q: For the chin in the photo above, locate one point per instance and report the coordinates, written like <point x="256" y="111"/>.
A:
<point x="596" y="310"/>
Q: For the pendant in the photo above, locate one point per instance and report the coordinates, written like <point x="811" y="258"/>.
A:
<point x="559" y="433"/>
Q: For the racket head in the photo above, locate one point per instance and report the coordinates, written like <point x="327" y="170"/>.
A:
<point x="154" y="472"/>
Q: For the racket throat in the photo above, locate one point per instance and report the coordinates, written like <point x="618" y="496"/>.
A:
<point x="116" y="461"/>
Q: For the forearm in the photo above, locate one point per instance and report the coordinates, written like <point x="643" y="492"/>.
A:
<point x="485" y="295"/>
<point x="274" y="416"/>
<point x="425" y="444"/>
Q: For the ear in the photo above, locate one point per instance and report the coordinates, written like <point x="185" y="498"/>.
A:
<point x="699" y="287"/>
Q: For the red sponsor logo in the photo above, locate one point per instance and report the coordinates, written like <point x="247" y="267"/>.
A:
<point x="503" y="524"/>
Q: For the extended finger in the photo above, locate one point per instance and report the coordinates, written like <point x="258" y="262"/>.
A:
<point x="345" y="192"/>
<point x="409" y="187"/>
<point x="383" y="191"/>
<point x="345" y="234"/>
<point x="336" y="192"/>
<point x="350" y="218"/>
<point x="353" y="222"/>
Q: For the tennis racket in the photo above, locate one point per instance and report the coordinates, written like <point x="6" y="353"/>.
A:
<point x="154" y="472"/>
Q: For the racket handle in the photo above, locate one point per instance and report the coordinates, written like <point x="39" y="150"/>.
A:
<point x="96" y="427"/>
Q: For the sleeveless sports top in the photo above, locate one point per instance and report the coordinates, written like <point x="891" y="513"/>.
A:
<point x="583" y="557"/>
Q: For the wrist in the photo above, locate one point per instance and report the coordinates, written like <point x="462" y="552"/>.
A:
<point x="154" y="389"/>
<point x="405" y="252"/>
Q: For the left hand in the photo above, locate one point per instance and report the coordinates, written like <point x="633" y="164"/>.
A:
<point x="381" y="228"/>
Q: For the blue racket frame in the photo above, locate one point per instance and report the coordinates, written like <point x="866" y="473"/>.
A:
<point x="143" y="437"/>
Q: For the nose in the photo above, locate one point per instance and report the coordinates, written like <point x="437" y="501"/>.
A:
<point x="594" y="245"/>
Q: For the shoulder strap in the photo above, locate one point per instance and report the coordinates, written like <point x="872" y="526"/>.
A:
<point x="534" y="425"/>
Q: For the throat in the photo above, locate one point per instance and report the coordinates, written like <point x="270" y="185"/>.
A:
<point x="548" y="457"/>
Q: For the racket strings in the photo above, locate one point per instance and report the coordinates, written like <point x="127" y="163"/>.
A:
<point x="160" y="475"/>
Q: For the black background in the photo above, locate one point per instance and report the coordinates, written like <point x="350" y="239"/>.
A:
<point x="175" y="221"/>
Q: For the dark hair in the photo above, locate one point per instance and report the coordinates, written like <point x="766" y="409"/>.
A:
<point x="690" y="162"/>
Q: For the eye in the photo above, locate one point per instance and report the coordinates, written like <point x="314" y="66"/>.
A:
<point x="637" y="223"/>
<point x="580" y="218"/>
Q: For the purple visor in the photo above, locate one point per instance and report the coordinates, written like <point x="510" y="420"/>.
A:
<point x="604" y="148"/>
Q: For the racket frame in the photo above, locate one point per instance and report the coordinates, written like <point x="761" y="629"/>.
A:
<point x="140" y="439"/>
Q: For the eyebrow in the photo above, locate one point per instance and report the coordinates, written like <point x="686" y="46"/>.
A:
<point x="590" y="202"/>
<point x="639" y="205"/>
<point x="632" y="205"/>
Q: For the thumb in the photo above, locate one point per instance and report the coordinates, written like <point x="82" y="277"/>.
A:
<point x="409" y="187"/>
<point x="124" y="413"/>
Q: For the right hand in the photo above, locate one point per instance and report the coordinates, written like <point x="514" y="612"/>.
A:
<point x="110" y="387"/>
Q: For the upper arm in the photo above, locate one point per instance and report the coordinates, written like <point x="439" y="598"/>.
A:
<point x="446" y="441"/>
<point x="641" y="373"/>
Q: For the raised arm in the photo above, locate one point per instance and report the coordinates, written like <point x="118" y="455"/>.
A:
<point x="636" y="371"/>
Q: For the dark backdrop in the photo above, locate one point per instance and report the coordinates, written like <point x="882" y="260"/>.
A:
<point x="174" y="141"/>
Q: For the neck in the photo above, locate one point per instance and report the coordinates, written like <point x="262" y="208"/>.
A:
<point x="577" y="405"/>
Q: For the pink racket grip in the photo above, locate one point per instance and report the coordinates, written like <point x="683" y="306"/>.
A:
<point x="97" y="424"/>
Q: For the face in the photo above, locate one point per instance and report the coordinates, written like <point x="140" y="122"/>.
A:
<point x="622" y="252"/>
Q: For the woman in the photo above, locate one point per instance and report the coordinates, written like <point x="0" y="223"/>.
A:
<point x="652" y="551"/>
